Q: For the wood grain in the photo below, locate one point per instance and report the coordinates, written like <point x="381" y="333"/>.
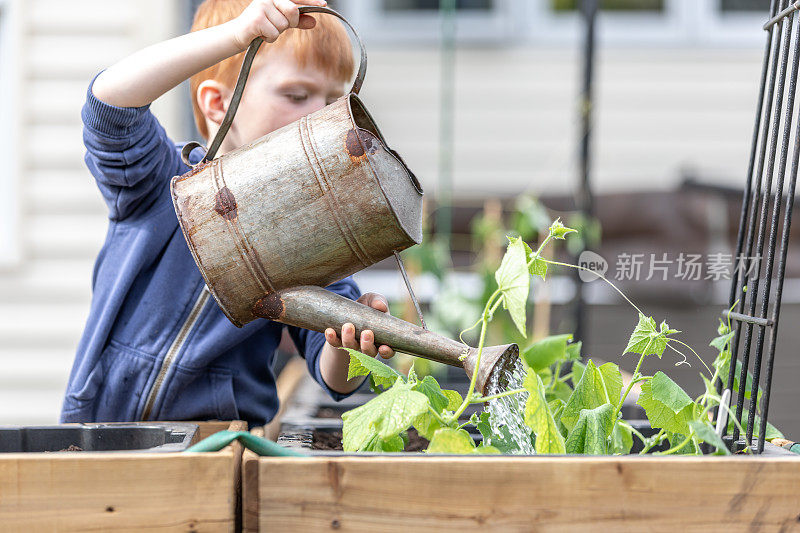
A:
<point x="528" y="494"/>
<point x="250" y="498"/>
<point x="121" y="491"/>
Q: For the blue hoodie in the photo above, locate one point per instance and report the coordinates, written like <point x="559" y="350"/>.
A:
<point x="156" y="346"/>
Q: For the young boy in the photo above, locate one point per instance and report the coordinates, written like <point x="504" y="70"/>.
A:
<point x="155" y="347"/>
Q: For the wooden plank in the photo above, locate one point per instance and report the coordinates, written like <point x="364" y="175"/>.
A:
<point x="532" y="493"/>
<point x="120" y="492"/>
<point x="250" y="500"/>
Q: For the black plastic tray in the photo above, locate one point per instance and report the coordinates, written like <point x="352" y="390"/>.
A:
<point x="129" y="437"/>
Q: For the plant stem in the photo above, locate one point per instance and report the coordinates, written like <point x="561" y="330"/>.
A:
<point x="680" y="446"/>
<point x="655" y="441"/>
<point x="556" y="377"/>
<point x="634" y="431"/>
<point x="599" y="276"/>
<point x="630" y="386"/>
<point x="437" y="416"/>
<point x="495" y="396"/>
<point x="488" y="310"/>
<point x="692" y="349"/>
<point x="538" y="253"/>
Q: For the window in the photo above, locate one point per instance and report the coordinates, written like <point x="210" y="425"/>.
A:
<point x="419" y="21"/>
<point x="406" y="5"/>
<point x="9" y="178"/>
<point x="612" y="5"/>
<point x="733" y="23"/>
<point x="761" y="6"/>
<point x="620" y="22"/>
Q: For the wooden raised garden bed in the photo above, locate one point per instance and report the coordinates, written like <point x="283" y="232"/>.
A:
<point x="102" y="491"/>
<point x="506" y="493"/>
<point x="420" y="492"/>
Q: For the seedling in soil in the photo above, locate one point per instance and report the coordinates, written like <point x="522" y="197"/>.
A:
<point x="576" y="412"/>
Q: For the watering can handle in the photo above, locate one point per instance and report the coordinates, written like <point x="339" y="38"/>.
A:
<point x="245" y="71"/>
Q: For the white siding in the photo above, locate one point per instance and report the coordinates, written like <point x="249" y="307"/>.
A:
<point x="44" y="300"/>
<point x="657" y="112"/>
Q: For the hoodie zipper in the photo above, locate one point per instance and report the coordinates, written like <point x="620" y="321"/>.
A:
<point x="174" y="350"/>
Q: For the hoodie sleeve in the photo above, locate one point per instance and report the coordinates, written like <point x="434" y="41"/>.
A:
<point x="309" y="343"/>
<point x="129" y="155"/>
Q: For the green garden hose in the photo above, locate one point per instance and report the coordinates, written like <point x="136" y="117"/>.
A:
<point x="259" y="445"/>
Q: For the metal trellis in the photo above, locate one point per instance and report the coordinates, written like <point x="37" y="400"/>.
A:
<point x="754" y="301"/>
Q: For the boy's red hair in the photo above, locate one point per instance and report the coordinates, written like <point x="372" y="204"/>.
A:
<point x="326" y="46"/>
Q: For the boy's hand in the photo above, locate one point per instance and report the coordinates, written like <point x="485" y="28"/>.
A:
<point x="366" y="344"/>
<point x="269" y="18"/>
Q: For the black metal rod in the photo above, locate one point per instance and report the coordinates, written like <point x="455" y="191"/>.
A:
<point x="777" y="18"/>
<point x="407" y="281"/>
<point x="746" y="195"/>
<point x="770" y="261"/>
<point x="755" y="278"/>
<point x="775" y="40"/>
<point x="787" y="224"/>
<point x="758" y="321"/>
<point x="584" y="199"/>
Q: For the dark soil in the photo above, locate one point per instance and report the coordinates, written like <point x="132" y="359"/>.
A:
<point x="332" y="441"/>
<point x="327" y="412"/>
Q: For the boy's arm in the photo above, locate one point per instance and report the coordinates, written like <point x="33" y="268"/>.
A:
<point x="329" y="364"/>
<point x="335" y="362"/>
<point x="142" y="77"/>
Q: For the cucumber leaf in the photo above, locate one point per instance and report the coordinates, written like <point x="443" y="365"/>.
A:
<point x="621" y="440"/>
<point x="392" y="444"/>
<point x="707" y="434"/>
<point x="386" y="415"/>
<point x="426" y="425"/>
<point x="539" y="418"/>
<point x="430" y="388"/>
<point x="502" y="441"/>
<point x="591" y="432"/>
<point x="667" y="405"/>
<point x="596" y="387"/>
<point x="514" y="281"/>
<point x="538" y="266"/>
<point x="454" y="399"/>
<point x="362" y="365"/>
<point x="543" y="353"/>
<point x="449" y="440"/>
<point x="647" y="340"/>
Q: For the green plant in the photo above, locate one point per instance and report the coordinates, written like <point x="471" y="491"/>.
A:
<point x="566" y="412"/>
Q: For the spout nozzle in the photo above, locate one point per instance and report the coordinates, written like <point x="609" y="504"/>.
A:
<point x="494" y="360"/>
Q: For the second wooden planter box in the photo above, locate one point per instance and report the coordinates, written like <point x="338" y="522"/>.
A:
<point x="506" y="493"/>
<point x="104" y="491"/>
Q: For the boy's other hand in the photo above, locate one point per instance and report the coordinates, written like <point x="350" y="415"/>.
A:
<point x="269" y="18"/>
<point x="366" y="344"/>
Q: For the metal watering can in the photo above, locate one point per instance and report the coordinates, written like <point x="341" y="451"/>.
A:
<point x="271" y="223"/>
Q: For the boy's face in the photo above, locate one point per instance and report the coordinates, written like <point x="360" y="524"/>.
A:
<point x="278" y="92"/>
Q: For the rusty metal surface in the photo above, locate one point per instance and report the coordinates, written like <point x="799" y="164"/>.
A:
<point x="308" y="204"/>
<point x="317" y="309"/>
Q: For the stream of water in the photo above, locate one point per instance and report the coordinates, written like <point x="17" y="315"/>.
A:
<point x="508" y="412"/>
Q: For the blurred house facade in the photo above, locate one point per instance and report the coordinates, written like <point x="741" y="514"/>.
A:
<point x="676" y="90"/>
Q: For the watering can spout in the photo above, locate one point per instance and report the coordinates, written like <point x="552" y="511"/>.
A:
<point x="315" y="308"/>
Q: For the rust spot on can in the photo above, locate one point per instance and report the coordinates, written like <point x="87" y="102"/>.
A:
<point x="360" y="143"/>
<point x="353" y="146"/>
<point x="225" y="204"/>
<point x="270" y="307"/>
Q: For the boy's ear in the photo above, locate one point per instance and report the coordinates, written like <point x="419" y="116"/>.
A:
<point x="213" y="98"/>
